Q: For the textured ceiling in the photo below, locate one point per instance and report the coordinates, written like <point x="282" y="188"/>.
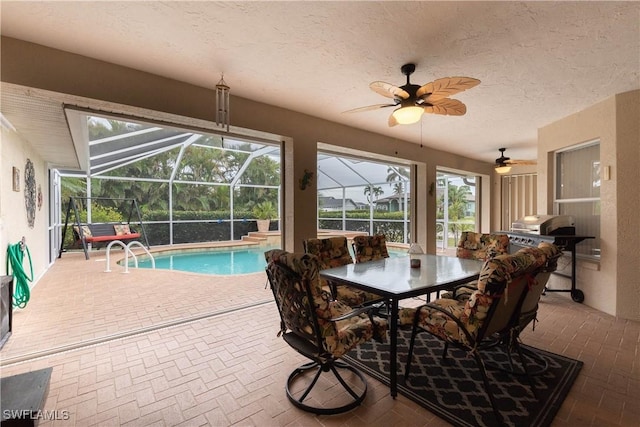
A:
<point x="538" y="61"/>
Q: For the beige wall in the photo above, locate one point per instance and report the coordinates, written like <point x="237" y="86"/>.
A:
<point x="627" y="198"/>
<point x="13" y="213"/>
<point x="613" y="285"/>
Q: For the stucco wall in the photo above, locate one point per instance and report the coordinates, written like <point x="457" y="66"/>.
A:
<point x="13" y="213"/>
<point x="611" y="285"/>
<point x="627" y="175"/>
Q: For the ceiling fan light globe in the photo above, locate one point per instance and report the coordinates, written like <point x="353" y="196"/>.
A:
<point x="503" y="169"/>
<point x="408" y="115"/>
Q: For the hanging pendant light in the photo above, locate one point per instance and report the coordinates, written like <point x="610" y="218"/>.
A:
<point x="222" y="103"/>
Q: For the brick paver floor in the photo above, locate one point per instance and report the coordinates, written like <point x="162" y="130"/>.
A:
<point x="162" y="348"/>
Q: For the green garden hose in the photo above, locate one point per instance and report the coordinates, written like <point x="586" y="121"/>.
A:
<point x="15" y="256"/>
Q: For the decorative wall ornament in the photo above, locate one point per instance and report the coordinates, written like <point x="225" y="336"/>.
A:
<point x="30" y="192"/>
<point x="222" y="103"/>
<point x="306" y="179"/>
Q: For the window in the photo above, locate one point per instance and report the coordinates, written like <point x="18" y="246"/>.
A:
<point x="456" y="208"/>
<point x="364" y="195"/>
<point x="578" y="192"/>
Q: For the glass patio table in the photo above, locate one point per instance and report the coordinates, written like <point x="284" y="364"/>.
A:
<point x="393" y="279"/>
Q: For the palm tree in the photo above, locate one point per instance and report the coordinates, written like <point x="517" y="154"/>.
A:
<point x="372" y="193"/>
<point x="396" y="177"/>
<point x="458" y="200"/>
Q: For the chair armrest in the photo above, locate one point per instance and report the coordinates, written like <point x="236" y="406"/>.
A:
<point x="457" y="320"/>
<point x="356" y="312"/>
<point x="454" y="293"/>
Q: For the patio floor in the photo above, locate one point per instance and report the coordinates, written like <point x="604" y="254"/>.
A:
<point x="168" y="348"/>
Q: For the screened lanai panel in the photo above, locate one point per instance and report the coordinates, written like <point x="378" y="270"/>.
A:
<point x="123" y="149"/>
<point x="338" y="172"/>
<point x="151" y="137"/>
<point x="152" y="165"/>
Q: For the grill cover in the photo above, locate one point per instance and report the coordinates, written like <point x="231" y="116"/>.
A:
<point x="545" y="225"/>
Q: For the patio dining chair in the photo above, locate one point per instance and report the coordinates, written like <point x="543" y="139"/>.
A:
<point x="334" y="252"/>
<point x="319" y="328"/>
<point x="369" y="248"/>
<point x="529" y="310"/>
<point x="491" y="309"/>
<point x="482" y="246"/>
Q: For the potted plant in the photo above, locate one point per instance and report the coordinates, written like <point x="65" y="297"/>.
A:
<point x="264" y="213"/>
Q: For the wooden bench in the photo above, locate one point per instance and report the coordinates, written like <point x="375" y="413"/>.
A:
<point x="103" y="233"/>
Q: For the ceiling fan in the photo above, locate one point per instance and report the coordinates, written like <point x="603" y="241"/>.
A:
<point x="503" y="163"/>
<point x="414" y="100"/>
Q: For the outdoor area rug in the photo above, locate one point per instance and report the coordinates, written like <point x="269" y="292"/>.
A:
<point x="453" y="389"/>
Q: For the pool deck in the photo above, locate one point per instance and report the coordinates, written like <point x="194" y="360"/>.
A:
<point x="80" y="303"/>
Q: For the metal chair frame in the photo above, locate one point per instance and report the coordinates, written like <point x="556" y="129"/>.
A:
<point x="486" y="332"/>
<point x="311" y="346"/>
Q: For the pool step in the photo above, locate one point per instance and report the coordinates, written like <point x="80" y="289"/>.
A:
<point x="269" y="237"/>
<point x="254" y="237"/>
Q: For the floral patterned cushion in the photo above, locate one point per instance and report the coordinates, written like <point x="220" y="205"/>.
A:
<point x="86" y="231"/>
<point x="331" y="252"/>
<point x="482" y="246"/>
<point x="496" y="276"/>
<point x="334" y="252"/>
<point x="544" y="259"/>
<point x="546" y="254"/>
<point x="369" y="248"/>
<point x="299" y="310"/>
<point x="355" y="297"/>
<point x="121" y="229"/>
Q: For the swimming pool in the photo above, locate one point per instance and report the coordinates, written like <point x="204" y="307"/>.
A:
<point x="222" y="261"/>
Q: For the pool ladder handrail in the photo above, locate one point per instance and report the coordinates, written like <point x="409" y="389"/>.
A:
<point x="127" y="249"/>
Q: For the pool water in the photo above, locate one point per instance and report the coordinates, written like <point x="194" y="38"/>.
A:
<point x="211" y="261"/>
<point x="225" y="261"/>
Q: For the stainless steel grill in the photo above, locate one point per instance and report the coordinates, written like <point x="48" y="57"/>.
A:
<point x="560" y="230"/>
<point x="545" y="225"/>
<point x="533" y="229"/>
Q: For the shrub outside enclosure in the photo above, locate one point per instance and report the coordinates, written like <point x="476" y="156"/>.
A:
<point x="391" y="224"/>
<point x="202" y="226"/>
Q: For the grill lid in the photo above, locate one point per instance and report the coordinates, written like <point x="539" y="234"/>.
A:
<point x="543" y="224"/>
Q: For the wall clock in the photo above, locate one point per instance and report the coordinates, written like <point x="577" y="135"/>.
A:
<point x="30" y="192"/>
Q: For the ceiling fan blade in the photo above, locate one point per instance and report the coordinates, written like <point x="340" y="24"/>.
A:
<point x="446" y="106"/>
<point x="445" y="87"/>
<point x="369" y="108"/>
<point x="392" y="121"/>
<point x="388" y="90"/>
<point x="521" y="162"/>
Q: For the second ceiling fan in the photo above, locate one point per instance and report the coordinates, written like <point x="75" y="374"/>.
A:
<point x="504" y="163"/>
<point x="414" y="100"/>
